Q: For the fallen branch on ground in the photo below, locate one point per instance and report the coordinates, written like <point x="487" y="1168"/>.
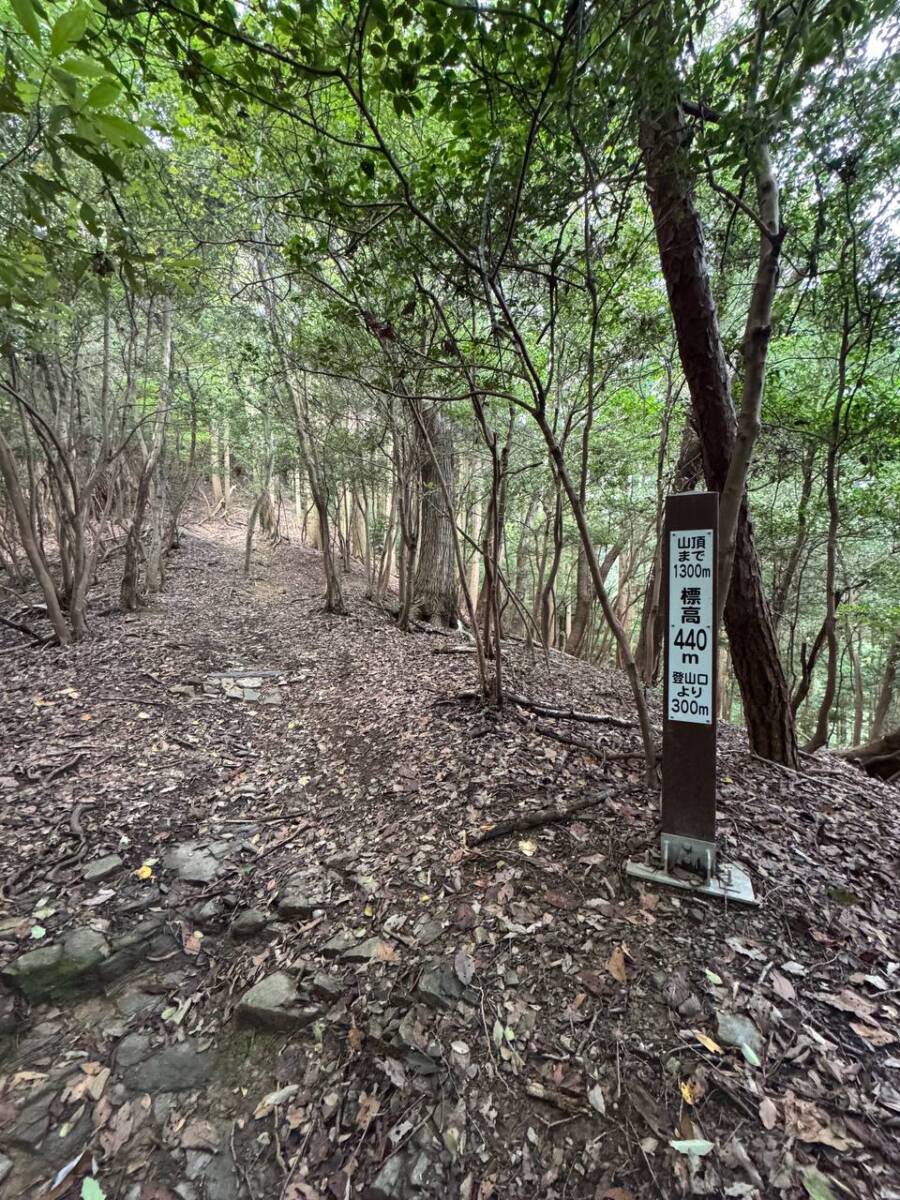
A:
<point x="546" y="710"/>
<point x="585" y="747"/>
<point x="549" y="816"/>
<point x="20" y="628"/>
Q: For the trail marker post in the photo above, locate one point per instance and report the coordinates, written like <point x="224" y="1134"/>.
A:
<point x="688" y="826"/>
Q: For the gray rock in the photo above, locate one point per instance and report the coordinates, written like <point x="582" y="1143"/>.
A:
<point x="341" y="861"/>
<point x="102" y="868"/>
<point x="133" y="1049"/>
<point x="33" y="1122"/>
<point x="207" y="914"/>
<point x="325" y="986"/>
<point x="248" y="923"/>
<point x="178" y="1068"/>
<point x="295" y="906"/>
<point x="5" y="1166"/>
<point x="391" y="1181"/>
<point x="732" y="1029"/>
<point x="365" y="951"/>
<point x="273" y="1003"/>
<point x="194" y="862"/>
<point x="63" y="970"/>
<point x="439" y="988"/>
<point x="150" y="936"/>
<point x="339" y="944"/>
<point x="129" y="1004"/>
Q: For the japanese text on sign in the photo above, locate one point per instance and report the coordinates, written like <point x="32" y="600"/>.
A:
<point x="690" y="692"/>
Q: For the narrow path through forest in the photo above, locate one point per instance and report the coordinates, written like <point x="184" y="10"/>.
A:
<point x="249" y="948"/>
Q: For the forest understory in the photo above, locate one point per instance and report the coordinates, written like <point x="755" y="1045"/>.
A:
<point x="301" y="801"/>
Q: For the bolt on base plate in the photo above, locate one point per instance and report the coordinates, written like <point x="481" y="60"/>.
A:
<point x="730" y="882"/>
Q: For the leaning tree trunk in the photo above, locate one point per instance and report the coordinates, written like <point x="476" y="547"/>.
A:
<point x="880" y="758"/>
<point x="30" y="542"/>
<point x="748" y="620"/>
<point x="435" y="592"/>
<point x="886" y="691"/>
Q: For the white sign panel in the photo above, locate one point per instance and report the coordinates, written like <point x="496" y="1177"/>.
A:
<point x="690" y="626"/>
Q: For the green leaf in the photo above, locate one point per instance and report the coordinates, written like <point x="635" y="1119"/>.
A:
<point x="68" y="28"/>
<point x="818" y="1186"/>
<point x="120" y="132"/>
<point x="27" y="18"/>
<point x="750" y="1055"/>
<point x="85" y="68"/>
<point x="103" y="94"/>
<point x="91" y="1190"/>
<point x="696" y="1146"/>
<point x="38" y="931"/>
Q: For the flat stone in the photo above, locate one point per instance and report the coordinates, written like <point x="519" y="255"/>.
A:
<point x="365" y="951"/>
<point x="102" y="868"/>
<point x="732" y="1029"/>
<point x="178" y="1068"/>
<point x="209" y="913"/>
<point x="5" y="1166"/>
<point x="339" y="944"/>
<point x="149" y="937"/>
<point x="439" y="988"/>
<point x="325" y="986"/>
<point x="391" y="1181"/>
<point x="273" y="1003"/>
<point x="33" y="1122"/>
<point x="129" y="1004"/>
<point x="294" y="906"/>
<point x="192" y="862"/>
<point x="62" y="970"/>
<point x="248" y="923"/>
<point x="133" y="1049"/>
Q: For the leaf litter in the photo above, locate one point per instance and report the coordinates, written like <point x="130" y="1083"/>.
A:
<point x="509" y="1019"/>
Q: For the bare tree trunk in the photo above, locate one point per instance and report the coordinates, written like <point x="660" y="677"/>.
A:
<point x="226" y="463"/>
<point x="215" y="479"/>
<point x="8" y="468"/>
<point x="886" y="691"/>
<point x="436" y="596"/>
<point x="783" y="587"/>
<point x="820" y="736"/>
<point x="748" y="620"/>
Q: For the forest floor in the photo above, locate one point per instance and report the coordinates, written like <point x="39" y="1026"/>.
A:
<point x="435" y="1019"/>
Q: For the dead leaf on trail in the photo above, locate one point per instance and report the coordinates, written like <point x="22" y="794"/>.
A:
<point x="464" y="967"/>
<point x="615" y="964"/>
<point x="562" y="900"/>
<point x="273" y="1099"/>
<point x="873" y="1034"/>
<point x="528" y="847"/>
<point x="617" y="1194"/>
<point x="119" y="1130"/>
<point x="385" y="952"/>
<point x="849" y="1002"/>
<point x="706" y="1041"/>
<point x="369" y="1107"/>
<point x="200" y="1135"/>
<point x="782" y="986"/>
<point x="768" y="1113"/>
<point x="807" y="1122"/>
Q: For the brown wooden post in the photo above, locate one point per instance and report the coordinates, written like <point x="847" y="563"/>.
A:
<point x="690" y="549"/>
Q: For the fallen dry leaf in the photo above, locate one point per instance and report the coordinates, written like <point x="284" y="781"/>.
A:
<point x="615" y="964"/>
<point x="200" y="1135"/>
<point x="768" y="1113"/>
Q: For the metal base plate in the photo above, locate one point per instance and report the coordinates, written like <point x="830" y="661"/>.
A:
<point x="730" y="882"/>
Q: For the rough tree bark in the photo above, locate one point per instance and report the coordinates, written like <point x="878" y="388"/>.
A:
<point x="748" y="620"/>
<point x="886" y="691"/>
<point x="436" y="593"/>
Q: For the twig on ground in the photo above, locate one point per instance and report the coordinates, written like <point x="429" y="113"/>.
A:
<point x="549" y="816"/>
